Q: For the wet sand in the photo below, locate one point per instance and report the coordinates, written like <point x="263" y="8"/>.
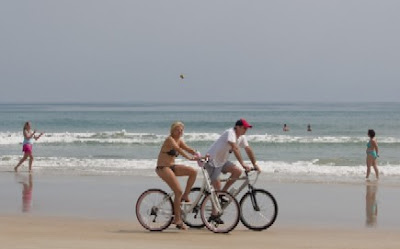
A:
<point x="50" y="211"/>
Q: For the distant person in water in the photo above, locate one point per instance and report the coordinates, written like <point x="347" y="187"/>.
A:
<point x="27" y="144"/>
<point x="308" y="127"/>
<point x="285" y="127"/>
<point x="372" y="154"/>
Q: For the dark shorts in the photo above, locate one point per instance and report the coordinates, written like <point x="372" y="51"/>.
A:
<point x="214" y="172"/>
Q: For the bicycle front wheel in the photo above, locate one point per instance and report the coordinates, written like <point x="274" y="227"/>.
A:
<point x="154" y="210"/>
<point x="258" y="209"/>
<point x="225" y="221"/>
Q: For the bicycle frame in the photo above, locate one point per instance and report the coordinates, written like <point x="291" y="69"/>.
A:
<point x="206" y="187"/>
<point x="246" y="182"/>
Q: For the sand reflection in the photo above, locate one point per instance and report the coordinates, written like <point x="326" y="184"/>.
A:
<point x="371" y="205"/>
<point x="27" y="185"/>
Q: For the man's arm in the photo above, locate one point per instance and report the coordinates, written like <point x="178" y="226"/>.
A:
<point x="252" y="158"/>
<point x="238" y="156"/>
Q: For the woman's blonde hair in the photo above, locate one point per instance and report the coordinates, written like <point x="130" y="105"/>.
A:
<point x="176" y="124"/>
<point x="25" y="125"/>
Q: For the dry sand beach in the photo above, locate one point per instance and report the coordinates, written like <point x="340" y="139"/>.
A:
<point x="31" y="232"/>
<point x="98" y="212"/>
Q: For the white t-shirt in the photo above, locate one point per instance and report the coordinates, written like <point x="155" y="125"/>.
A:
<point x="219" y="150"/>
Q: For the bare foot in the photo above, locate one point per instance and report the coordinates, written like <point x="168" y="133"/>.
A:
<point x="180" y="225"/>
<point x="16" y="168"/>
<point x="185" y="199"/>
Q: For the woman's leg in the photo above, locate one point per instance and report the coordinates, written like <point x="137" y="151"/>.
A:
<point x="169" y="177"/>
<point x="374" y="164"/>
<point x="368" y="167"/>
<point x="30" y="162"/>
<point x="25" y="156"/>
<point x="182" y="170"/>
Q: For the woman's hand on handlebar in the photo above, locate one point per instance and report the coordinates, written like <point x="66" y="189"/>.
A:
<point x="198" y="157"/>
<point x="256" y="167"/>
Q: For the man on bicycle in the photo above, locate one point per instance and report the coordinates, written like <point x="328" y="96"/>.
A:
<point x="229" y="142"/>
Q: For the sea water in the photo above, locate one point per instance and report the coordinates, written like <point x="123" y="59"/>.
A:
<point x="125" y="138"/>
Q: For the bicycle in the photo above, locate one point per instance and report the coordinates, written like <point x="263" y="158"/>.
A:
<point x="258" y="207"/>
<point x="218" y="210"/>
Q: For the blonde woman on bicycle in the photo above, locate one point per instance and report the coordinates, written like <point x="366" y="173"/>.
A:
<point x="168" y="171"/>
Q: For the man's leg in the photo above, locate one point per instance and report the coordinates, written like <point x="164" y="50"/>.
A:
<point x="235" y="173"/>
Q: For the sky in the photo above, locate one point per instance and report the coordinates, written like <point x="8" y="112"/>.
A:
<point x="228" y="51"/>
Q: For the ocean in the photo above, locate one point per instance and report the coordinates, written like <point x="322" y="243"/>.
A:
<point x="125" y="138"/>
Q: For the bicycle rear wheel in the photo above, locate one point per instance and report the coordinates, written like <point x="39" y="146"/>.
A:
<point x="193" y="217"/>
<point x="227" y="220"/>
<point x="154" y="210"/>
<point x="258" y="210"/>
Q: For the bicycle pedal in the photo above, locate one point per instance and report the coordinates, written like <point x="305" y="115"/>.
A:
<point x="223" y="199"/>
<point x="216" y="219"/>
<point x="184" y="203"/>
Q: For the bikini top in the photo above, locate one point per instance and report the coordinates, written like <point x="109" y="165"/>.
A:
<point x="369" y="144"/>
<point x="172" y="152"/>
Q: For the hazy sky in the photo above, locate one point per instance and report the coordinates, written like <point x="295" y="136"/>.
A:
<point x="101" y="51"/>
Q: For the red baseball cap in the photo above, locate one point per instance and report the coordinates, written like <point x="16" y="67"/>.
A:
<point x="243" y="122"/>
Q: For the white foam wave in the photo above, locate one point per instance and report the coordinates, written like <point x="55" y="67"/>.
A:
<point x="317" y="139"/>
<point x="123" y="137"/>
<point x="312" y="168"/>
<point x="107" y="137"/>
<point x="114" y="137"/>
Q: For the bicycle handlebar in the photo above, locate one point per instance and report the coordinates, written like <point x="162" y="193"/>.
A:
<point x="202" y="161"/>
<point x="252" y="169"/>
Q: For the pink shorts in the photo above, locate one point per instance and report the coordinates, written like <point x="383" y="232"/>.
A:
<point x="27" y="148"/>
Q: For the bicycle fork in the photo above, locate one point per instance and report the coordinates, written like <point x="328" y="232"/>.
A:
<point x="253" y="199"/>
<point x="216" y="205"/>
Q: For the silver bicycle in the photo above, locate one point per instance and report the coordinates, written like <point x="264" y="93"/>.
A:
<point x="217" y="210"/>
<point x="258" y="207"/>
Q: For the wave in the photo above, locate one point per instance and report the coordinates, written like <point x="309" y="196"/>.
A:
<point x="123" y="137"/>
<point x="95" y="166"/>
<point x="113" y="137"/>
